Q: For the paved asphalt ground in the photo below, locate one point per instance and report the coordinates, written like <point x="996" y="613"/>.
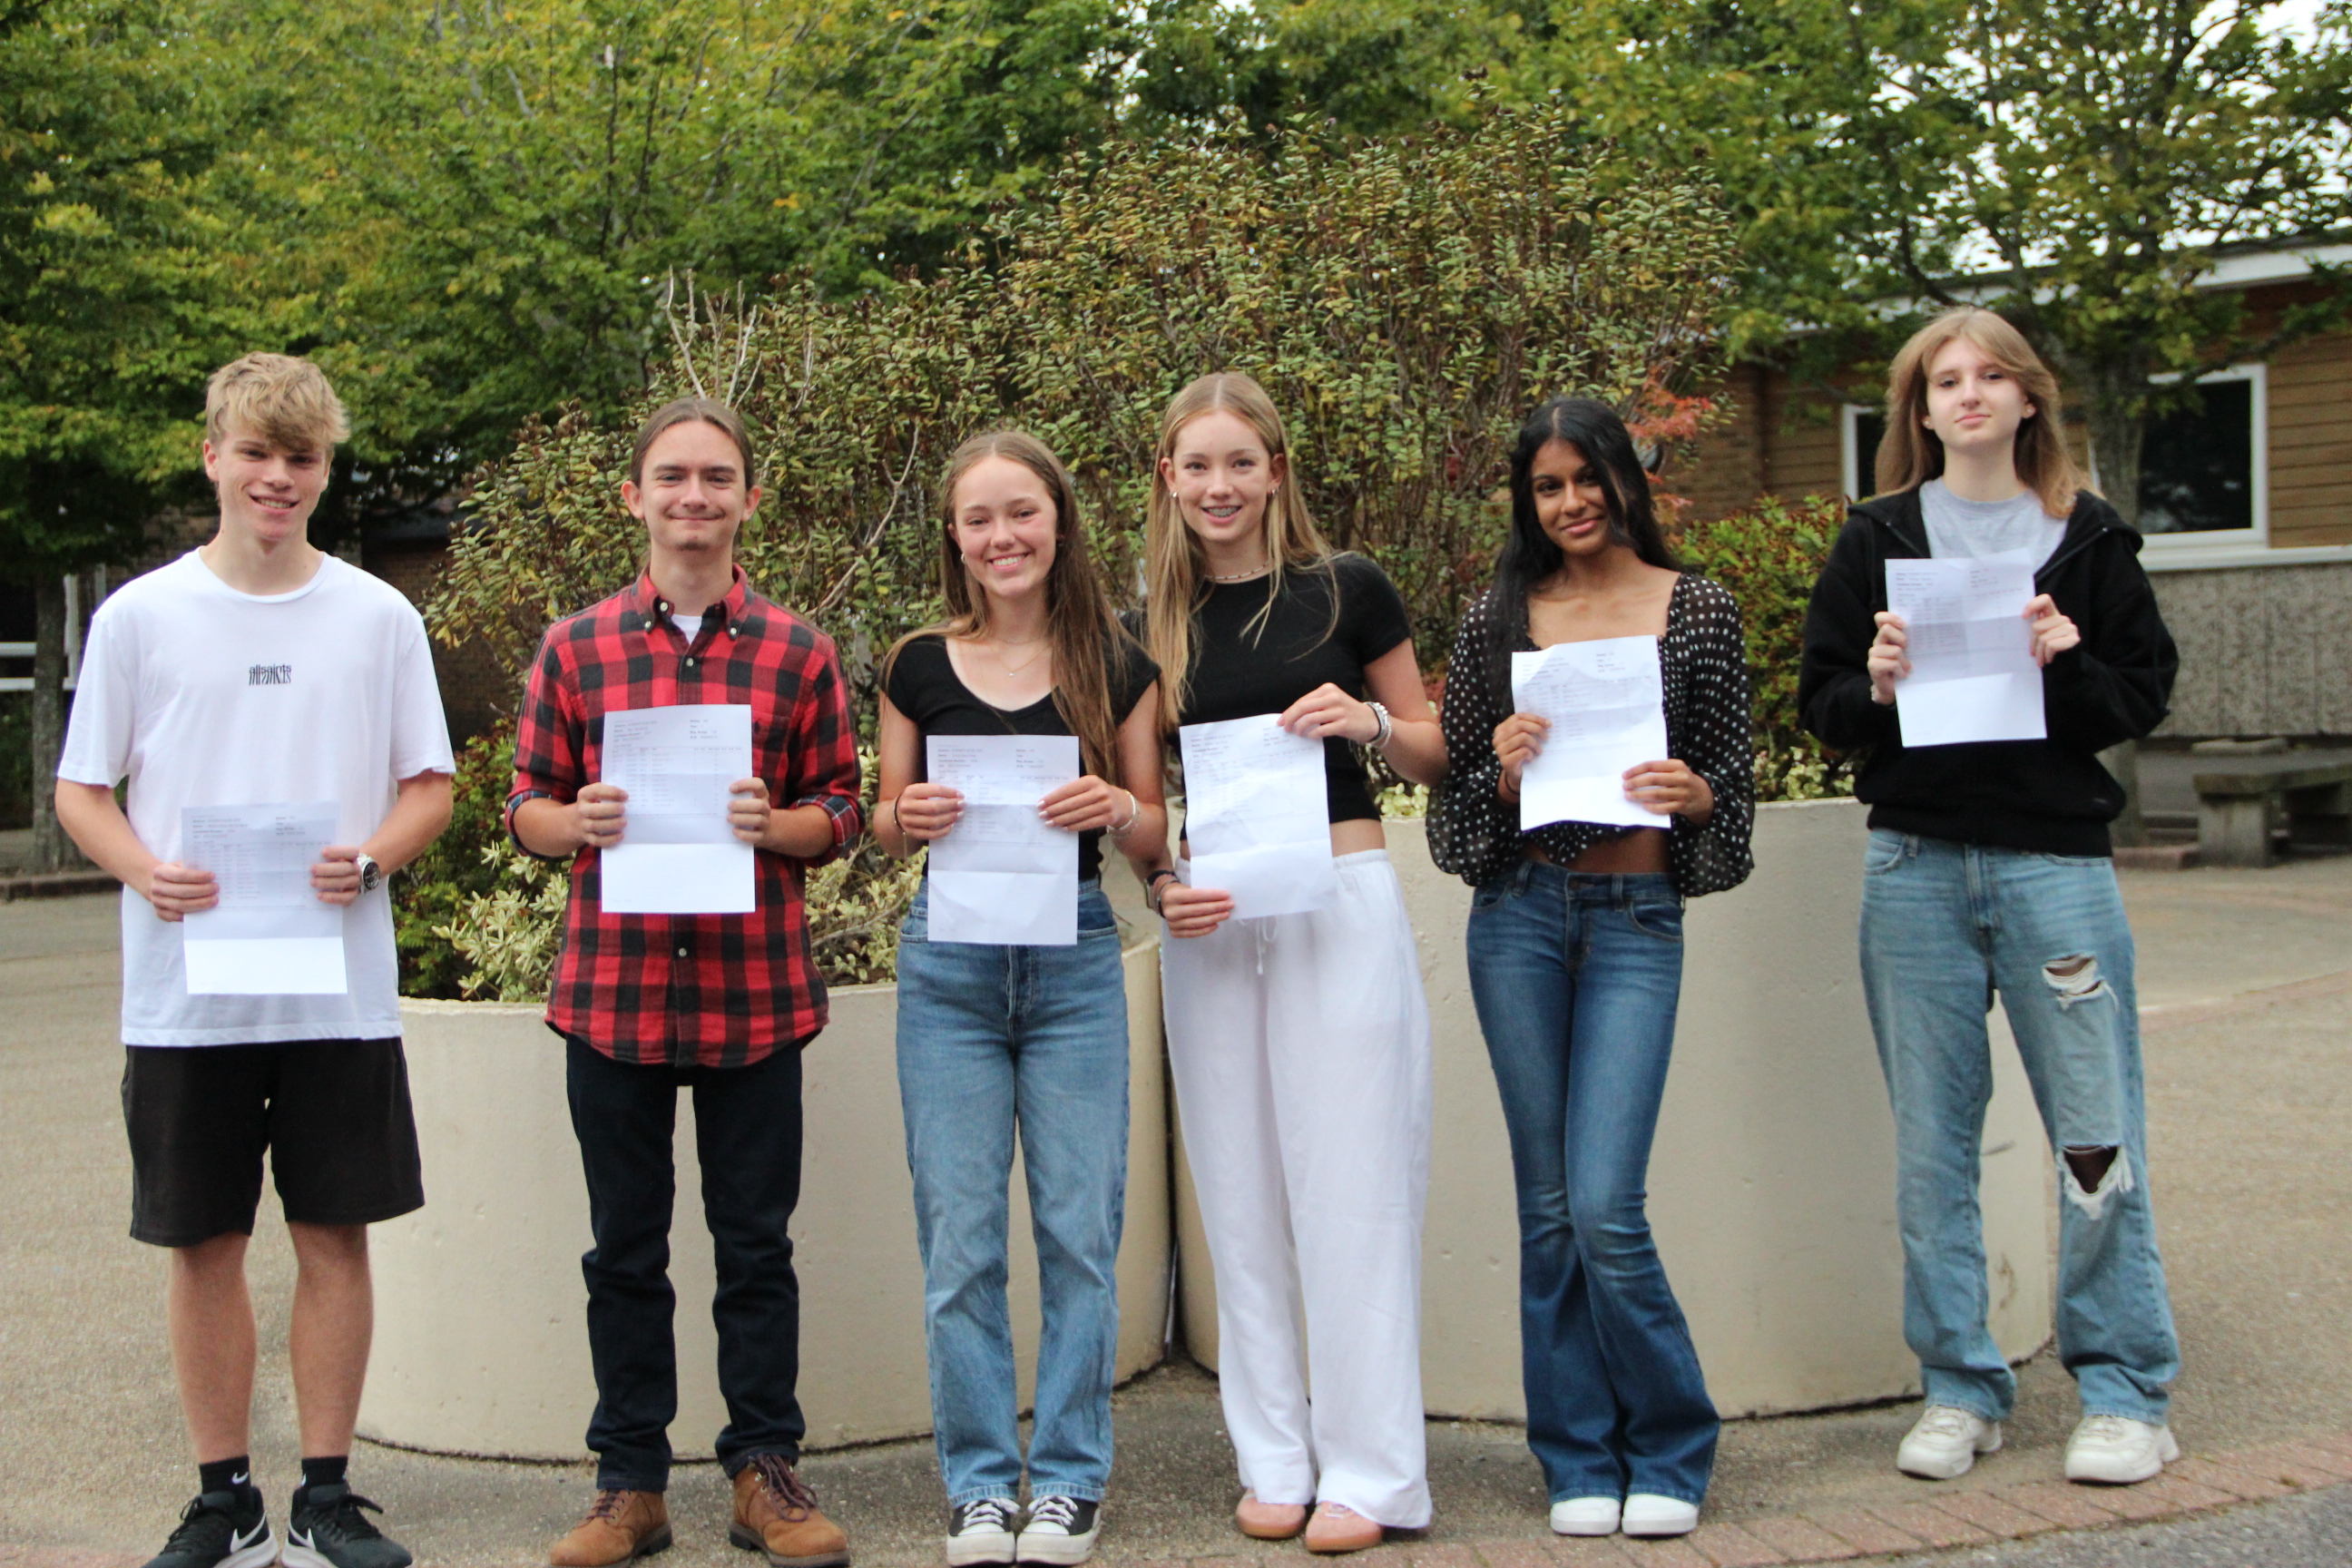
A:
<point x="2247" y="983"/>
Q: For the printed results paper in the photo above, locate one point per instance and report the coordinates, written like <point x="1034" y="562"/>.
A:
<point x="1257" y="816"/>
<point x="270" y="934"/>
<point x="1971" y="649"/>
<point x="1606" y="702"/>
<point x="1003" y="875"/>
<point x="676" y="854"/>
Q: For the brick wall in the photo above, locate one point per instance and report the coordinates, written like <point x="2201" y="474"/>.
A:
<point x="474" y="691"/>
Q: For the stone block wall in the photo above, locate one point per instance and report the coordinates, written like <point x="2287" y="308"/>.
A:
<point x="2264" y="650"/>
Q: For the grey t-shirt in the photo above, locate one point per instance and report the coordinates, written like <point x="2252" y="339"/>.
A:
<point x="1957" y="528"/>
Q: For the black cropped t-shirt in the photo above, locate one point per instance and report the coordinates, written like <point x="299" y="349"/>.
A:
<point x="923" y="685"/>
<point x="1240" y="671"/>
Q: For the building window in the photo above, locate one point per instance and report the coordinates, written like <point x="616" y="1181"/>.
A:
<point x="1863" y="427"/>
<point x="2202" y="473"/>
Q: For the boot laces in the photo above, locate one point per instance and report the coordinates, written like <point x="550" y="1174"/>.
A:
<point x="609" y="1504"/>
<point x="784" y="1487"/>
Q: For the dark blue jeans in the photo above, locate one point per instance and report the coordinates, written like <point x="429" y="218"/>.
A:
<point x="747" y="1125"/>
<point x="1576" y="977"/>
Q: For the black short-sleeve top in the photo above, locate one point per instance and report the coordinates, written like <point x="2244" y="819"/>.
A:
<point x="922" y="684"/>
<point x="1474" y="833"/>
<point x="1240" y="669"/>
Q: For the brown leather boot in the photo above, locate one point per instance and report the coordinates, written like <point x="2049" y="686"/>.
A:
<point x="775" y="1512"/>
<point x="619" y="1525"/>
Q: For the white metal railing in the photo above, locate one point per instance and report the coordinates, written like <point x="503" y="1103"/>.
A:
<point x="23" y="650"/>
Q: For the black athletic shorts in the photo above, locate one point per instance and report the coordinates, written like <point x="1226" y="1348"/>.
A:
<point x="333" y="1115"/>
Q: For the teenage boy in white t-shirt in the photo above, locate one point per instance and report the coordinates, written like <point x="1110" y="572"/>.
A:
<point x="257" y="670"/>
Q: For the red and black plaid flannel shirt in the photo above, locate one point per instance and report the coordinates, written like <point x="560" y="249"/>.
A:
<point x="716" y="990"/>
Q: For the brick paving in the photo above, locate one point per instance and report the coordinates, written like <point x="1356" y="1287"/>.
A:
<point x="1955" y="1517"/>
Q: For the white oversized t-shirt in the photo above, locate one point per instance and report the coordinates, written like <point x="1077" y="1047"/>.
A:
<point x="200" y="695"/>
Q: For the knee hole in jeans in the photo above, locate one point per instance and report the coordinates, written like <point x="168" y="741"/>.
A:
<point x="2074" y="979"/>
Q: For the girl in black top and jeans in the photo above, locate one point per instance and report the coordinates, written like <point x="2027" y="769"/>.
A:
<point x="1300" y="1043"/>
<point x="997" y="1039"/>
<point x="1575" y="954"/>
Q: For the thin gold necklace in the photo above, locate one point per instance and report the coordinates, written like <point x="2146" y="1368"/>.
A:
<point x="1260" y="569"/>
<point x="1008" y="666"/>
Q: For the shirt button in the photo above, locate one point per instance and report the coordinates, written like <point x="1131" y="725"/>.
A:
<point x="690" y="661"/>
<point x="681" y="952"/>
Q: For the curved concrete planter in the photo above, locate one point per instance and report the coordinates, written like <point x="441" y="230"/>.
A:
<point x="481" y="1344"/>
<point x="1772" y="1182"/>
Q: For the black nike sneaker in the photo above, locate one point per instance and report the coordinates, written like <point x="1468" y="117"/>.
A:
<point x="220" y="1530"/>
<point x="326" y="1528"/>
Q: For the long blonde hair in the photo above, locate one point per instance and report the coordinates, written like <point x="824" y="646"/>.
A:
<point x="1174" y="577"/>
<point x="1079" y="622"/>
<point x="1910" y="453"/>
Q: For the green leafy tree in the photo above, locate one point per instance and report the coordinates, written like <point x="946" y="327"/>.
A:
<point x="115" y="299"/>
<point x="2075" y="163"/>
<point x="492" y="194"/>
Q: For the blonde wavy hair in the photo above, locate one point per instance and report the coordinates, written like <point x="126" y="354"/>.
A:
<point x="284" y="400"/>
<point x="1174" y="573"/>
<point x="1911" y="454"/>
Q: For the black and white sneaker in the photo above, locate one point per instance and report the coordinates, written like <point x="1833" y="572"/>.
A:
<point x="220" y="1530"/>
<point x="326" y="1528"/>
<point x="1061" y="1530"/>
<point x="981" y="1533"/>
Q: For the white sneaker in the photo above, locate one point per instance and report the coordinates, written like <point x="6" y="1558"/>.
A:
<point x="2118" y="1450"/>
<point x="1060" y="1530"/>
<point x="1647" y="1513"/>
<point x="1584" y="1516"/>
<point x="981" y="1533"/>
<point x="1945" y="1442"/>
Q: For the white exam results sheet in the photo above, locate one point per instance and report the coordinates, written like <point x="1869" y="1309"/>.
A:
<point x="270" y="934"/>
<point x="1971" y="649"/>
<point x="1004" y="874"/>
<point x="1257" y="816"/>
<point x="676" y="854"/>
<point x="1606" y="701"/>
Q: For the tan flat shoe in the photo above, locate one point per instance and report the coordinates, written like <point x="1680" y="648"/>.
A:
<point x="1339" y="1528"/>
<point x="1269" y="1520"/>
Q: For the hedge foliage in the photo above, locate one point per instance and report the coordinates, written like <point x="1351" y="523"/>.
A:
<point x="1405" y="302"/>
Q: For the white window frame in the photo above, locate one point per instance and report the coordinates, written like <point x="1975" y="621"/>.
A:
<point x="1849" y="454"/>
<point x="2258" y="412"/>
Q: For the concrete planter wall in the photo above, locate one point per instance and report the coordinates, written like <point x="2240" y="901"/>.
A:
<point x="1772" y="1184"/>
<point x="481" y="1345"/>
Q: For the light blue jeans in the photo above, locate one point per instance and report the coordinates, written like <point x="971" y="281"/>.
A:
<point x="1943" y="926"/>
<point x="992" y="1039"/>
<point x="1576" y="976"/>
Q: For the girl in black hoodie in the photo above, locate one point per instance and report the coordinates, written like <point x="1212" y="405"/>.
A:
<point x="1989" y="870"/>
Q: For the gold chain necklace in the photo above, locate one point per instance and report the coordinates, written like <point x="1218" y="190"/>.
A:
<point x="1260" y="569"/>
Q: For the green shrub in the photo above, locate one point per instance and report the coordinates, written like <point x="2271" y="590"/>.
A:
<point x="1405" y="302"/>
<point x="434" y="890"/>
<point x="1769" y="554"/>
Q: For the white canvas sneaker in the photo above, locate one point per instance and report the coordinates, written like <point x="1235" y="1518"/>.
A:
<point x="2118" y="1450"/>
<point x="1647" y="1513"/>
<point x="1945" y="1442"/>
<point x="1584" y="1516"/>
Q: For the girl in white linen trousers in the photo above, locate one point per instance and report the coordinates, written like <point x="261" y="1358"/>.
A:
<point x="1300" y="1043"/>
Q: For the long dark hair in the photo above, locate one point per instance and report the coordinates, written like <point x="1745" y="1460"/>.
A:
<point x="1079" y="622"/>
<point x="1528" y="555"/>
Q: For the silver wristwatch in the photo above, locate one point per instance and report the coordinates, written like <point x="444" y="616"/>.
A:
<point x="371" y="874"/>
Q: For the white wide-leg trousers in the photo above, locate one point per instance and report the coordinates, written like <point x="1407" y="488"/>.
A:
<point x="1300" y="1050"/>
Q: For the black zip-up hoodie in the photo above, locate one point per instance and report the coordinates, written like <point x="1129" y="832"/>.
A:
<point x="2049" y="796"/>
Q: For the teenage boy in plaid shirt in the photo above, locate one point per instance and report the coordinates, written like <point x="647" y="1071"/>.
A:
<point x="718" y="1004"/>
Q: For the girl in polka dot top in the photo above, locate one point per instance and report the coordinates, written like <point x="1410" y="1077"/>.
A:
<point x="1575" y="955"/>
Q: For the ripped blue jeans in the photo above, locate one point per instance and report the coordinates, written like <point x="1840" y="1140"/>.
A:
<point x="1943" y="926"/>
